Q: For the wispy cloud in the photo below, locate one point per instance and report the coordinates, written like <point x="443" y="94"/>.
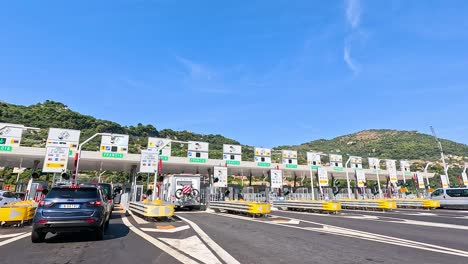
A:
<point x="353" y="12"/>
<point x="353" y="18"/>
<point x="196" y="70"/>
<point x="347" y="58"/>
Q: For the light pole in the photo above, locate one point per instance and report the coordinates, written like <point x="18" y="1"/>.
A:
<point x="78" y="154"/>
<point x="425" y="172"/>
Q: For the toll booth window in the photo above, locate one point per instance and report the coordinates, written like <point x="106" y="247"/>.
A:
<point x="198" y="154"/>
<point x="114" y="148"/>
<point x="233" y="157"/>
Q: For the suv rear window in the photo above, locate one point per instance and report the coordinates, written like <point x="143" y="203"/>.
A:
<point x="75" y="193"/>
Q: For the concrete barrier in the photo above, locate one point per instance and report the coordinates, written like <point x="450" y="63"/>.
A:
<point x="246" y="207"/>
<point x="309" y="205"/>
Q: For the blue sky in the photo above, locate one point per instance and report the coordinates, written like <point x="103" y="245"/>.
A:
<point x="265" y="73"/>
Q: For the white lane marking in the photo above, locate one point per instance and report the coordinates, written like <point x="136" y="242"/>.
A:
<point x="138" y="219"/>
<point x="397" y="221"/>
<point x="364" y="217"/>
<point x="226" y="257"/>
<point x="177" y="229"/>
<point x="423" y="223"/>
<point x="423" y="214"/>
<point x="340" y="231"/>
<point x="11" y="235"/>
<point x="194" y="247"/>
<point x="8" y="241"/>
<point x="174" y="253"/>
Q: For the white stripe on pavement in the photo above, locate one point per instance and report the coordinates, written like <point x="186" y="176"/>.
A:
<point x="8" y="241"/>
<point x="196" y="248"/>
<point x="340" y="231"/>
<point x="226" y="257"/>
<point x="138" y="219"/>
<point x="172" y="252"/>
<point x="11" y="235"/>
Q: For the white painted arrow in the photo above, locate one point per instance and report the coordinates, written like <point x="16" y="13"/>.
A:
<point x="193" y="247"/>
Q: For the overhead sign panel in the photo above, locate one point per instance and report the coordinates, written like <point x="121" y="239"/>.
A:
<point x="197" y="151"/>
<point x="392" y="172"/>
<point x="262" y="156"/>
<point x="361" y="178"/>
<point x="465" y="179"/>
<point x="356" y="162"/>
<point x="336" y="161"/>
<point x="232" y="154"/>
<point x="63" y="137"/>
<point x="148" y="161"/>
<point x="158" y="143"/>
<point x="221" y="173"/>
<point x="114" y="146"/>
<point x="276" y="177"/>
<point x="313" y="160"/>
<point x="56" y="159"/>
<point x="289" y="157"/>
<point x="374" y="163"/>
<point x="405" y="166"/>
<point x="443" y="179"/>
<point x="420" y="180"/>
<point x="322" y="177"/>
<point x="10" y="136"/>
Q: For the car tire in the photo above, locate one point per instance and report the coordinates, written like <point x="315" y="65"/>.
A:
<point x="99" y="235"/>
<point x="37" y="236"/>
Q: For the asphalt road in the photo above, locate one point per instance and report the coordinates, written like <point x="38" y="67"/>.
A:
<point x="403" y="236"/>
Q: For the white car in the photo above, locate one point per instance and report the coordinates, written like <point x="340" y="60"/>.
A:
<point x="7" y="197"/>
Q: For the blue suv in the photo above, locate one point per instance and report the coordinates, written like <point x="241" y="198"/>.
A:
<point x="71" y="209"/>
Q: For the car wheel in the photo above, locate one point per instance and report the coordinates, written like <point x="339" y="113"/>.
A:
<point x="37" y="236"/>
<point x="100" y="233"/>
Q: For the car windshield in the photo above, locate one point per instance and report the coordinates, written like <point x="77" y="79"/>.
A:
<point x="75" y="193"/>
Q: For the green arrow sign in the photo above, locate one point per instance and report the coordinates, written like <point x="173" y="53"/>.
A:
<point x="263" y="164"/>
<point x="197" y="160"/>
<point x="314" y="167"/>
<point x="112" y="155"/>
<point x="407" y="172"/>
<point x="2" y="141"/>
<point x="164" y="158"/>
<point x="233" y="162"/>
<point x="291" y="166"/>
<point x="6" y="148"/>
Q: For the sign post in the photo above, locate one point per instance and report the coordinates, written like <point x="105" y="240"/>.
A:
<point x="405" y="169"/>
<point x="10" y="136"/>
<point x="276" y="179"/>
<point x="392" y="172"/>
<point x="314" y="162"/>
<point x="322" y="178"/>
<point x="221" y="174"/>
<point x="374" y="164"/>
<point x="443" y="179"/>
<point x="114" y="146"/>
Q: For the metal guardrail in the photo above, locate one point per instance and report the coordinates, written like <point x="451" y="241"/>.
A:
<point x="418" y="203"/>
<point x="17" y="212"/>
<point x="152" y="209"/>
<point x="251" y="208"/>
<point x="311" y="205"/>
<point x="377" y="204"/>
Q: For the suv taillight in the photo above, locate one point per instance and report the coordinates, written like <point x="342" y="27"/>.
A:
<point x="95" y="203"/>
<point x="44" y="203"/>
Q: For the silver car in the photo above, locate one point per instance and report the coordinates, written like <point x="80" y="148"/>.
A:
<point x="7" y="197"/>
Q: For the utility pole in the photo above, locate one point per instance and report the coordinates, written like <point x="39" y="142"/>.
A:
<point x="441" y="154"/>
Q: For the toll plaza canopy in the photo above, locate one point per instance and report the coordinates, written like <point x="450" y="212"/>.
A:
<point x="25" y="157"/>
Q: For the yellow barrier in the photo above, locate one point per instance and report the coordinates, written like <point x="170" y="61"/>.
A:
<point x="381" y="204"/>
<point x="18" y="212"/>
<point x="418" y="203"/>
<point x="252" y="208"/>
<point x="309" y="205"/>
<point x="150" y="209"/>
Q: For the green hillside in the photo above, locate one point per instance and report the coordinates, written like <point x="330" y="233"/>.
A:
<point x="378" y="143"/>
